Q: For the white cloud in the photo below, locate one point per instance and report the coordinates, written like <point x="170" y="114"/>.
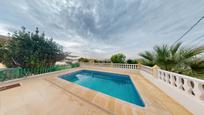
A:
<point x="4" y="30"/>
<point x="99" y="28"/>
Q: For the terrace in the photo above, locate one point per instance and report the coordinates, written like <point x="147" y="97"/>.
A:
<point x="163" y="92"/>
<point x="101" y="57"/>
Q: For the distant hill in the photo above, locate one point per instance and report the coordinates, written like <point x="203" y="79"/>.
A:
<point x="3" y="39"/>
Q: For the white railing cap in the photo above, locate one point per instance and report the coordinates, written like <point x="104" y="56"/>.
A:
<point x="146" y="66"/>
<point x="184" y="76"/>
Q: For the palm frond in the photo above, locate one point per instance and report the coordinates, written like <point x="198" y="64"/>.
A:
<point x="147" y="55"/>
<point x="197" y="65"/>
<point x="176" y="58"/>
<point x="192" y="52"/>
<point x="175" y="48"/>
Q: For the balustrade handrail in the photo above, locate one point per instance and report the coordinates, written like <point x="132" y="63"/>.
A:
<point x="183" y="76"/>
<point x="106" y="63"/>
<point x="146" y="66"/>
<point x="116" y="65"/>
<point x="189" y="85"/>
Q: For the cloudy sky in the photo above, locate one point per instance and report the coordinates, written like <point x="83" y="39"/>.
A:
<point x="99" y="28"/>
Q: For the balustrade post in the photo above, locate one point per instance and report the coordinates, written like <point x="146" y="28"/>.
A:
<point x="155" y="70"/>
<point x="139" y="66"/>
<point x="112" y="64"/>
<point x="199" y="91"/>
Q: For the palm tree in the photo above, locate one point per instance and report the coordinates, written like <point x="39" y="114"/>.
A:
<point x="176" y="58"/>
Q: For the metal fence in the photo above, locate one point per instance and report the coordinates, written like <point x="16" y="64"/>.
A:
<point x="15" y="73"/>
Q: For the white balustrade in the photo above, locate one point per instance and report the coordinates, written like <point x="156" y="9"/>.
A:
<point x="146" y="69"/>
<point x="186" y="84"/>
<point x="115" y="65"/>
<point x="125" y="66"/>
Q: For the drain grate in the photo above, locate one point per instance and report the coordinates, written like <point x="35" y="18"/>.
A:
<point x="2" y="88"/>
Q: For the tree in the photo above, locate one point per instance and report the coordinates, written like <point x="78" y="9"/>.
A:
<point x="83" y="59"/>
<point x="106" y="61"/>
<point x="27" y="49"/>
<point x="1" y="52"/>
<point x="3" y="42"/>
<point x="176" y="58"/>
<point x="131" y="61"/>
<point x="96" y="61"/>
<point x="118" y="58"/>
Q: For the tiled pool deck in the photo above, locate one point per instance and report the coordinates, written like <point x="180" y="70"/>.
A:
<point x="50" y="95"/>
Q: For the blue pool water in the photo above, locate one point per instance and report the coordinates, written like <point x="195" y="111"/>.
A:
<point x="116" y="85"/>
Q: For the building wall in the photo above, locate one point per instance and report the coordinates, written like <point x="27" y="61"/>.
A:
<point x="2" y="66"/>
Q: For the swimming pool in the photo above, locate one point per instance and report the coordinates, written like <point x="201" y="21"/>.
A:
<point x="116" y="85"/>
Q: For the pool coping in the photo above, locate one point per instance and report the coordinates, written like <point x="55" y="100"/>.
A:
<point x="99" y="98"/>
